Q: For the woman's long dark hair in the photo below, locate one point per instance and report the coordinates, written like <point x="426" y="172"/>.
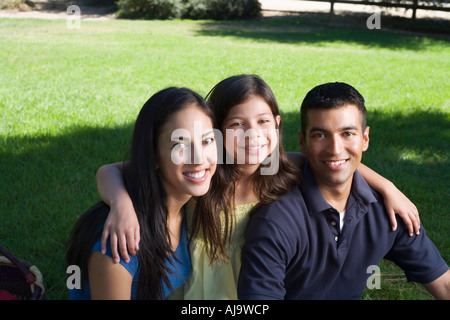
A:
<point x="147" y="192"/>
<point x="222" y="97"/>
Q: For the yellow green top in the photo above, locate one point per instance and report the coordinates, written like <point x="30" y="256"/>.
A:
<point x="216" y="281"/>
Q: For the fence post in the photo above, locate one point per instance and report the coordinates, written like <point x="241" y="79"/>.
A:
<point x="332" y="7"/>
<point x="415" y="2"/>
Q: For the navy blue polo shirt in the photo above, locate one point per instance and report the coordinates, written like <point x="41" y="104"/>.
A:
<point x="295" y="249"/>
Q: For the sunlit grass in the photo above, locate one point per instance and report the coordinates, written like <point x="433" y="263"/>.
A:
<point x="69" y="98"/>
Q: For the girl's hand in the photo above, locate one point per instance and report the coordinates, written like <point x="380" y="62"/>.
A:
<point x="122" y="227"/>
<point x="397" y="203"/>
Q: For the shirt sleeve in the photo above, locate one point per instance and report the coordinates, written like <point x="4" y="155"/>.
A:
<point x="264" y="260"/>
<point x="132" y="266"/>
<point x="417" y="256"/>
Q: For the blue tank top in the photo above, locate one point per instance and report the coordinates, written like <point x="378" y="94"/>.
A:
<point x="180" y="269"/>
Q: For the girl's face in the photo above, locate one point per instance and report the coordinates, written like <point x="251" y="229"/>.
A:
<point x="251" y="131"/>
<point x="187" y="153"/>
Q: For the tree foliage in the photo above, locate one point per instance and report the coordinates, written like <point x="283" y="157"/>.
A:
<point x="193" y="9"/>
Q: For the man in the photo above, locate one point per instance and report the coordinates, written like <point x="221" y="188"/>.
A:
<point x="321" y="240"/>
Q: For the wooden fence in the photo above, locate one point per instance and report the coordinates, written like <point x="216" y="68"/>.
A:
<point x="415" y="5"/>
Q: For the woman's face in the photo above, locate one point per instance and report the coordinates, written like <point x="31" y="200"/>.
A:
<point x="187" y="153"/>
<point x="250" y="131"/>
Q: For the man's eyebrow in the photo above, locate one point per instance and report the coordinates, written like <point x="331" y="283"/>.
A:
<point x="316" y="129"/>
<point x="349" y="128"/>
<point x="346" y="128"/>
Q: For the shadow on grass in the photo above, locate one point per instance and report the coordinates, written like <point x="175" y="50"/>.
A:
<point x="47" y="181"/>
<point x="321" y="29"/>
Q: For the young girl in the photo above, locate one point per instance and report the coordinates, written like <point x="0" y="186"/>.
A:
<point x="241" y="104"/>
<point x="160" y="178"/>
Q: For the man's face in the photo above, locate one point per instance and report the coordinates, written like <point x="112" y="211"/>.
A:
<point x="333" y="144"/>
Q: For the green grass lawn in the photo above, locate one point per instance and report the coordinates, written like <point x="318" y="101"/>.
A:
<point x="69" y="98"/>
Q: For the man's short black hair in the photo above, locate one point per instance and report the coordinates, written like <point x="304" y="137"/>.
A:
<point x="332" y="95"/>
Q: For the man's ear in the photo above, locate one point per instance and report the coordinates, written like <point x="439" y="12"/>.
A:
<point x="301" y="141"/>
<point x="366" y="138"/>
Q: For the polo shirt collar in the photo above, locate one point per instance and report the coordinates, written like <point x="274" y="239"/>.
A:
<point x="317" y="203"/>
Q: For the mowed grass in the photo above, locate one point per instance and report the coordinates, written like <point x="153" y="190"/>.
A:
<point x="69" y="98"/>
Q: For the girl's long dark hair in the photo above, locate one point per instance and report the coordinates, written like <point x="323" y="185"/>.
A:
<point x="222" y="97"/>
<point x="147" y="192"/>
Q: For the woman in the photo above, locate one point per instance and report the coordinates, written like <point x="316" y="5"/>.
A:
<point x="242" y="104"/>
<point x="172" y="126"/>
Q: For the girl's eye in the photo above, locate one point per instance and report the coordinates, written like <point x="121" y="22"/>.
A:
<point x="179" y="146"/>
<point x="264" y="120"/>
<point x="348" y="134"/>
<point x="208" y="141"/>
<point x="236" y="124"/>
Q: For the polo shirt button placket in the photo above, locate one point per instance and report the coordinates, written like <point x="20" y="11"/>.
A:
<point x="333" y="214"/>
